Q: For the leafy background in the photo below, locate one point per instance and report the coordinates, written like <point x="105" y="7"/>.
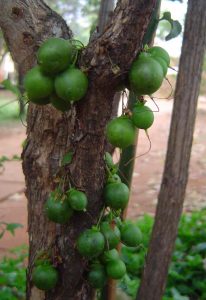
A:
<point x="186" y="274"/>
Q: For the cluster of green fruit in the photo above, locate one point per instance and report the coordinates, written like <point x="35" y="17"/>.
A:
<point x="145" y="77"/>
<point x="59" y="207"/>
<point x="55" y="79"/>
<point x="98" y="244"/>
<point x="148" y="71"/>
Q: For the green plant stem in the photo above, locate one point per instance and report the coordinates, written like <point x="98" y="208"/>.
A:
<point x="125" y="171"/>
<point x="128" y="154"/>
<point x="127" y="160"/>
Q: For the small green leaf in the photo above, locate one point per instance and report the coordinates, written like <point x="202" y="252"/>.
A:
<point x="11" y="227"/>
<point x="67" y="158"/>
<point x="2" y="234"/>
<point x="3" y="159"/>
<point x="108" y="159"/>
<point x="175" y="30"/>
<point x="167" y="16"/>
<point x="24" y="143"/>
<point x="176" y="27"/>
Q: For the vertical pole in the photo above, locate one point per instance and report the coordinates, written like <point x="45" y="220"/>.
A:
<point x="174" y="181"/>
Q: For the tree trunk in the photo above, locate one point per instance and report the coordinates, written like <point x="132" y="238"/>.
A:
<point x="175" y="175"/>
<point x="51" y="134"/>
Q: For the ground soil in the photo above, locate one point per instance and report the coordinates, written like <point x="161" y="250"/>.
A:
<point x="146" y="179"/>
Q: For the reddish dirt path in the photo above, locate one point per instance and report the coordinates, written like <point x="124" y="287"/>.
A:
<point x="146" y="180"/>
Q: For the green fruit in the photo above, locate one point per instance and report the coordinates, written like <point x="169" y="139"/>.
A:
<point x="116" y="195"/>
<point x="111" y="234"/>
<point x="145" y="76"/>
<point x="77" y="199"/>
<point x="113" y="170"/>
<point x="163" y="64"/>
<point x="113" y="178"/>
<point x="45" y="277"/>
<point x="131" y="235"/>
<point x="120" y="132"/>
<point x="116" y="269"/>
<point x="97" y="276"/>
<point x="60" y="103"/>
<point x="144" y="55"/>
<point x="109" y="160"/>
<point x="90" y="243"/>
<point x="142" y="116"/>
<point x="42" y="261"/>
<point x="55" y="55"/>
<point x="57" y="210"/>
<point x="110" y="255"/>
<point x="134" y="264"/>
<point x="160" y="52"/>
<point x="71" y="85"/>
<point x="38" y="86"/>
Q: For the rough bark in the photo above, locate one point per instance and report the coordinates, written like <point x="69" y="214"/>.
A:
<point x="50" y="134"/>
<point x="175" y="175"/>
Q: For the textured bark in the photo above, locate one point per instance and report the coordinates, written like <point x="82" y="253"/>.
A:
<point x="175" y="175"/>
<point x="50" y="134"/>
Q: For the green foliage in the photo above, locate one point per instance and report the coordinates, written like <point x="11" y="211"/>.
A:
<point x="13" y="275"/>
<point x="67" y="158"/>
<point x="176" y="27"/>
<point x="10" y="227"/>
<point x="187" y="269"/>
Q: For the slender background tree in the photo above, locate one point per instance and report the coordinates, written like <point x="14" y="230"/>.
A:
<point x="174" y="181"/>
